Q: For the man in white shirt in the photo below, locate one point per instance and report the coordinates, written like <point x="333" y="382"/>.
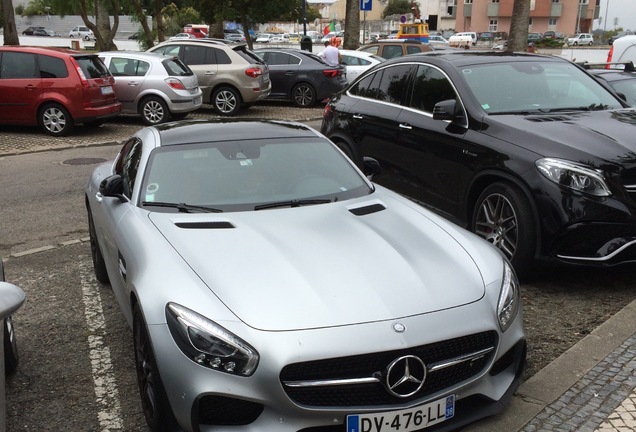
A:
<point x="331" y="54"/>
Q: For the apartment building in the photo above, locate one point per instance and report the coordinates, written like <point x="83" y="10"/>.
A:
<point x="564" y="16"/>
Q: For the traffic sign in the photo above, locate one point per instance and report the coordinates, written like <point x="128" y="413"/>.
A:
<point x="365" y="5"/>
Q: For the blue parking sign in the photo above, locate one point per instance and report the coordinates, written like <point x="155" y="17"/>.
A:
<point x="365" y="5"/>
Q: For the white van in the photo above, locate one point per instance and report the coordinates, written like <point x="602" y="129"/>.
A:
<point x="623" y="50"/>
<point x="463" y="39"/>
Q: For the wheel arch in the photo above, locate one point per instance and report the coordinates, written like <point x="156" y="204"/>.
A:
<point x="148" y="94"/>
<point x="488" y="177"/>
<point x="341" y="137"/>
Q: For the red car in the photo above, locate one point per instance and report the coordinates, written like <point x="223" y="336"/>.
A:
<point x="54" y="88"/>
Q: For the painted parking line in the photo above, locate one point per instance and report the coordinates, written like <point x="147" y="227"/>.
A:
<point x="107" y="396"/>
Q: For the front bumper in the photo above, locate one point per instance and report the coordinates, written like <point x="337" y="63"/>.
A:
<point x="204" y="400"/>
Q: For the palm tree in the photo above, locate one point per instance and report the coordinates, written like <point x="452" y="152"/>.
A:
<point x="10" y="32"/>
<point x="518" y="37"/>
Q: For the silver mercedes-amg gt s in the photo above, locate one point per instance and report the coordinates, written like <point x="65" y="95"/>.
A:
<point x="271" y="286"/>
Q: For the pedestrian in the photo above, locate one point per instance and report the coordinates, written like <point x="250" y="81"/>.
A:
<point x="331" y="54"/>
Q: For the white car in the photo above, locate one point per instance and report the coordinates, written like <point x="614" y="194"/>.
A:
<point x="357" y="62"/>
<point x="581" y="39"/>
<point x="264" y="38"/>
<point x="81" y="32"/>
<point x="623" y="49"/>
<point x="437" y="39"/>
<point x="463" y="39"/>
<point x="183" y="36"/>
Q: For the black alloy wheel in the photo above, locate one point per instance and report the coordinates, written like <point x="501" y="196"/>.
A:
<point x="503" y="216"/>
<point x="303" y="95"/>
<point x="154" y="400"/>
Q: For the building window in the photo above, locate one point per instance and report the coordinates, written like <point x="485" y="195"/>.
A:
<point x="532" y="3"/>
<point x="468" y="1"/>
<point x="552" y="22"/>
<point x="494" y="1"/>
<point x="583" y="2"/>
<point x="556" y="1"/>
<point x="493" y="25"/>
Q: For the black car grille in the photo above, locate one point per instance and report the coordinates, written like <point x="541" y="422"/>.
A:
<point x="375" y="365"/>
<point x="628" y="178"/>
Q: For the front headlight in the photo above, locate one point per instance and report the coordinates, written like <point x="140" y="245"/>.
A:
<point x="209" y="344"/>
<point x="509" y="298"/>
<point x="574" y="176"/>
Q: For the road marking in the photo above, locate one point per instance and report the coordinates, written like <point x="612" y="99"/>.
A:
<point x="107" y="396"/>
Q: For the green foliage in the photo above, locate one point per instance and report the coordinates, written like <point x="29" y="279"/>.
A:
<point x="175" y="18"/>
<point x="398" y="7"/>
<point x="36" y="7"/>
<point x="549" y="43"/>
<point x="296" y="13"/>
<point x="19" y="10"/>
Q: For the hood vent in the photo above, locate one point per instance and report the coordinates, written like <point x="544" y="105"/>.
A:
<point x="205" y="225"/>
<point x="549" y="118"/>
<point x="372" y="208"/>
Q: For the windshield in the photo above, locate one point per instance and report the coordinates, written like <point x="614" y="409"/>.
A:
<point x="245" y="175"/>
<point x="522" y="86"/>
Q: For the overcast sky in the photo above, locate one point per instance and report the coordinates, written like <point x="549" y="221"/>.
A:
<point x="623" y="11"/>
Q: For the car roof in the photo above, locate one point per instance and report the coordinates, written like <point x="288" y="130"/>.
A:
<point x="135" y="54"/>
<point x="234" y="129"/>
<point x="463" y="57"/>
<point x="45" y="50"/>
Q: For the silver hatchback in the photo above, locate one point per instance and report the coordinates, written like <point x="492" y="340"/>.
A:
<point x="157" y="87"/>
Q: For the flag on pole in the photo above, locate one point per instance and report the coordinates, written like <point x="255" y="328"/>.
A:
<point x="331" y="27"/>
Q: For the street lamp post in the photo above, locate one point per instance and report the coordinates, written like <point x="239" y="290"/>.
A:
<point x="304" y="17"/>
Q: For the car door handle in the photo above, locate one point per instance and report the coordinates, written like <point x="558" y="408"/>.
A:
<point x="406" y="126"/>
<point x="288" y="73"/>
<point x="133" y="84"/>
<point x="358" y="116"/>
<point x="210" y="72"/>
<point x="30" y="87"/>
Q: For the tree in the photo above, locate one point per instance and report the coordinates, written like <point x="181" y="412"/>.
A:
<point x="101" y="10"/>
<point x="518" y="37"/>
<point x="400" y="7"/>
<point x="296" y="13"/>
<point x="352" y="25"/>
<point x="8" y="19"/>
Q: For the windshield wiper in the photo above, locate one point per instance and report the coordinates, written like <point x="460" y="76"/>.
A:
<point x="182" y="207"/>
<point x="593" y="107"/>
<point x="291" y="203"/>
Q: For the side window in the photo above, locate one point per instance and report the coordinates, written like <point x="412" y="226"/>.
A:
<point x="372" y="49"/>
<point x="18" y="65"/>
<point x="277" y="58"/>
<point x="171" y="50"/>
<point x="222" y="57"/>
<point x="413" y="49"/>
<point x="368" y="86"/>
<point x="52" y="67"/>
<point x="127" y="164"/>
<point x="391" y="51"/>
<point x="194" y="55"/>
<point x="393" y="84"/>
<point x="430" y="87"/>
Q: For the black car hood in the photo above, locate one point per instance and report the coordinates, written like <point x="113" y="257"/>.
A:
<point x="608" y="135"/>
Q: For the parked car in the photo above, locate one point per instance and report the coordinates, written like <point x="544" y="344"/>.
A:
<point x="231" y="77"/>
<point x="29" y="30"/>
<point x="11" y="298"/>
<point x="623" y="50"/>
<point x="300" y="76"/>
<point x="264" y="38"/>
<point x="534" y="37"/>
<point x="356" y="62"/>
<point x="156" y="87"/>
<point x="502" y="144"/>
<point x="81" y="32"/>
<point x="620" y="34"/>
<point x="550" y="34"/>
<point x="395" y="48"/>
<point x="437" y="39"/>
<point x="581" y="39"/>
<point x="622" y="81"/>
<point x="235" y="37"/>
<point x="45" y="32"/>
<point x="54" y="88"/>
<point x="182" y="36"/>
<point x="136" y="35"/>
<point x="265" y="278"/>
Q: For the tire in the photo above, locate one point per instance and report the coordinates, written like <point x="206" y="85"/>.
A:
<point x="348" y="151"/>
<point x="10" y="347"/>
<point x="153" y="110"/>
<point x="303" y="95"/>
<point x="99" y="266"/>
<point x="87" y="38"/>
<point x="591" y="43"/>
<point x="575" y="43"/>
<point x="226" y="101"/>
<point x="55" y="120"/>
<point x="154" y="400"/>
<point x="503" y="216"/>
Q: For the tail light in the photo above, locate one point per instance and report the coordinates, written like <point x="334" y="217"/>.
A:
<point x="80" y="72"/>
<point x="609" y="56"/>
<point x="175" y="84"/>
<point x="254" y="72"/>
<point x="327" y="110"/>
<point x="332" y="73"/>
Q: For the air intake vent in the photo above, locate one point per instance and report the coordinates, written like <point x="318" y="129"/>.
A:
<point x="205" y="225"/>
<point x="362" y="211"/>
<point x="551" y="118"/>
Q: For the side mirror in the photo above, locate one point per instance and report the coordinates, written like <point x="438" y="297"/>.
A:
<point x="446" y="110"/>
<point x="113" y="186"/>
<point x="371" y="167"/>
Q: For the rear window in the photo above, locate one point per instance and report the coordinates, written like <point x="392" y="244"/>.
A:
<point x="92" y="66"/>
<point x="248" y="55"/>
<point x="175" y="67"/>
